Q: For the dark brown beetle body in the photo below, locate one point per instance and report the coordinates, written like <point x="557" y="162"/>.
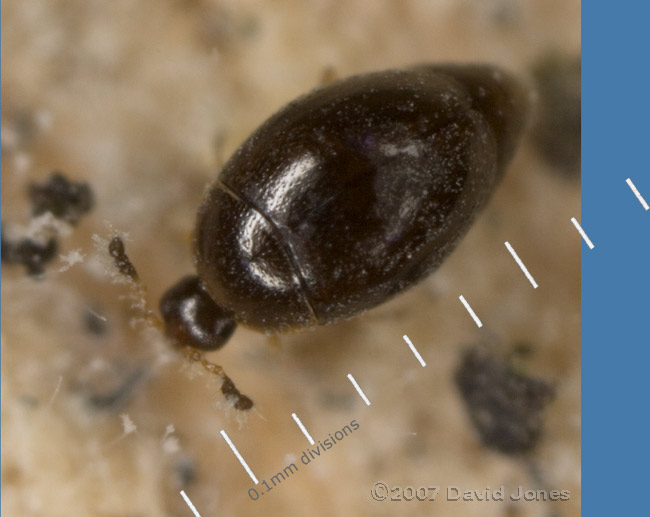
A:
<point x="353" y="193"/>
<point x="344" y="198"/>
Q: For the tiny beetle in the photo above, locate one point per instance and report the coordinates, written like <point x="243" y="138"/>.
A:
<point x="344" y="198"/>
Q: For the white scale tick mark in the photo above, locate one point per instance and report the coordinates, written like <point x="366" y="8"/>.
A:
<point x="637" y="194"/>
<point x="414" y="350"/>
<point x="521" y="265"/>
<point x="239" y="456"/>
<point x="471" y="312"/>
<point x="358" y="388"/>
<point x="582" y="232"/>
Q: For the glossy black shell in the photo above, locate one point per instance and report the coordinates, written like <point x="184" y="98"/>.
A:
<point x="354" y="192"/>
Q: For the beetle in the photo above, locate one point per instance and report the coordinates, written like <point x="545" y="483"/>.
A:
<point x="344" y="198"/>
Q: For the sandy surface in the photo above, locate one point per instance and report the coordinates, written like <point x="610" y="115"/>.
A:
<point x="144" y="100"/>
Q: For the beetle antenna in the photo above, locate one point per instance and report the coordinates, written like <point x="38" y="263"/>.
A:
<point x="170" y="326"/>
<point x="228" y="388"/>
<point x="127" y="269"/>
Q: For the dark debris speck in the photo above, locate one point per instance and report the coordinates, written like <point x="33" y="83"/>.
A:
<point x="66" y="200"/>
<point x="186" y="471"/>
<point x="116" y="398"/>
<point x="94" y="323"/>
<point x="33" y="255"/>
<point x="506" y="407"/>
